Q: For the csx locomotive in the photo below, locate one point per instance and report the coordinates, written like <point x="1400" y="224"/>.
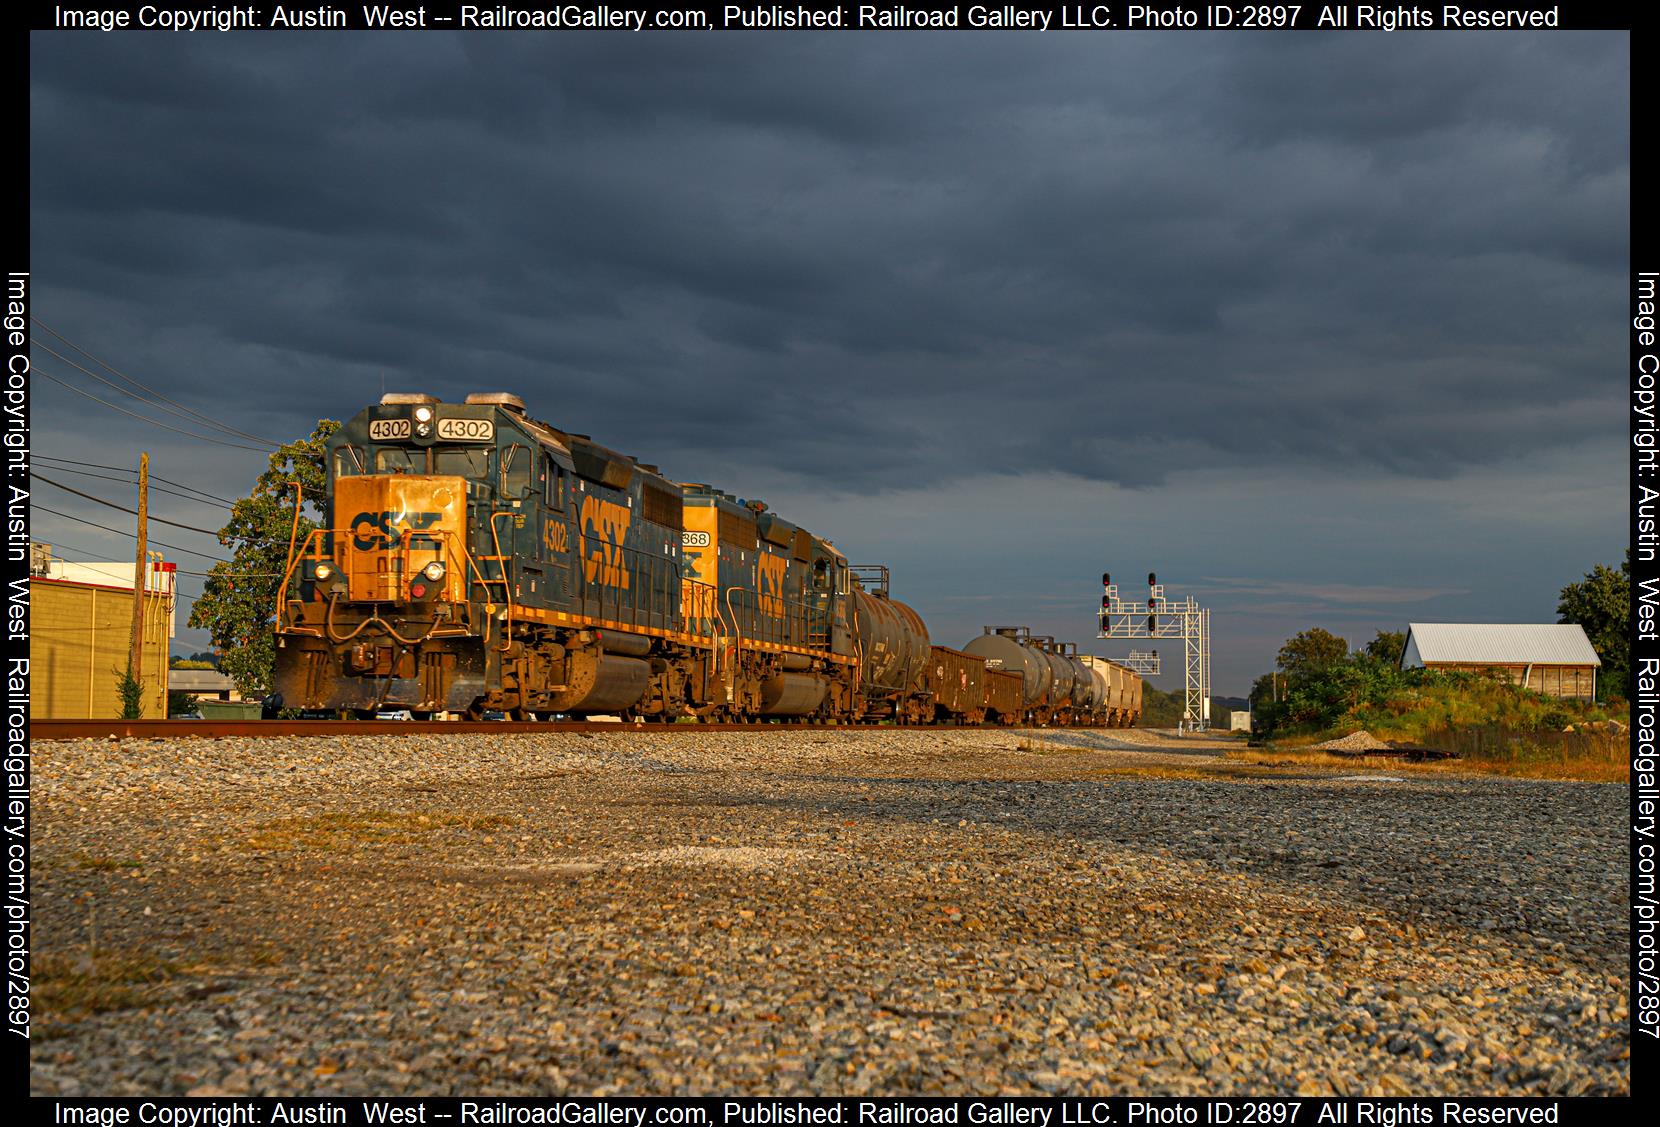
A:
<point x="476" y="559"/>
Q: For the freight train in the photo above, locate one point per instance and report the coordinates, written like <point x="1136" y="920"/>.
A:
<point x="474" y="559"/>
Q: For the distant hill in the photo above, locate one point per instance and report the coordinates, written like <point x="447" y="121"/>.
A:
<point x="1164" y="710"/>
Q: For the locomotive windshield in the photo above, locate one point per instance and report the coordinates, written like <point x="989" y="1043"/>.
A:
<point x="395" y="459"/>
<point x="455" y="461"/>
<point x="348" y="461"/>
<point x="462" y="461"/>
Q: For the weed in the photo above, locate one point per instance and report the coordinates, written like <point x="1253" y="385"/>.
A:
<point x="67" y="987"/>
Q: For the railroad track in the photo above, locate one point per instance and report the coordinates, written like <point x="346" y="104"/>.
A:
<point x="214" y="729"/>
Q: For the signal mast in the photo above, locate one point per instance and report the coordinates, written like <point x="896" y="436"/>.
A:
<point x="1161" y="617"/>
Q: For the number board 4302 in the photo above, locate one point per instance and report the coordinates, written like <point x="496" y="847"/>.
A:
<point x="388" y="430"/>
<point x="467" y="430"/>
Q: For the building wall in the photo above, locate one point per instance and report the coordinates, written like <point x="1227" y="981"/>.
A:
<point x="1574" y="682"/>
<point x="80" y="637"/>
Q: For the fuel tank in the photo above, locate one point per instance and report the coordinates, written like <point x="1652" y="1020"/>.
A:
<point x="1002" y="649"/>
<point x="613" y="683"/>
<point x="792" y="694"/>
<point x="893" y="642"/>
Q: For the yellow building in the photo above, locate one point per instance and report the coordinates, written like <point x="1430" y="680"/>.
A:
<point x="80" y="637"/>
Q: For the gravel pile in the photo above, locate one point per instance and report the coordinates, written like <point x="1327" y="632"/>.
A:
<point x="944" y="911"/>
<point x="1355" y="741"/>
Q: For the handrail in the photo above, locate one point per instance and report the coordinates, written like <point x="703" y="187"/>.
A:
<point x="662" y="597"/>
<point x="451" y="548"/>
<point x="506" y="583"/>
<point x="293" y="534"/>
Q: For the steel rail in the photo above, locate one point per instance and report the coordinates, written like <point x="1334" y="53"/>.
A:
<point x="219" y="729"/>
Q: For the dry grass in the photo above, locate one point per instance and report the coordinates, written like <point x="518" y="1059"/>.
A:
<point x="346" y="830"/>
<point x="69" y="987"/>
<point x="1592" y="757"/>
<point x="1597" y="758"/>
<point x="1278" y="756"/>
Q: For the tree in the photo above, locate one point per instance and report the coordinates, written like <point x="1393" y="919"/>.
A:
<point x="1601" y="604"/>
<point x="239" y="597"/>
<point x="1312" y="652"/>
<point x="1387" y="647"/>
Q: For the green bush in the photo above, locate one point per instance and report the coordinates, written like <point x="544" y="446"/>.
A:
<point x="131" y="691"/>
<point x="1362" y="692"/>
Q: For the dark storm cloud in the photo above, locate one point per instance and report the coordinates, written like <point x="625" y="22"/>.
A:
<point x="874" y="260"/>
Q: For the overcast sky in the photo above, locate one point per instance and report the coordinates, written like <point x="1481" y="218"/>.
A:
<point x="1325" y="329"/>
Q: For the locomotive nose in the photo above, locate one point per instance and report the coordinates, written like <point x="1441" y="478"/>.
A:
<point x="402" y="537"/>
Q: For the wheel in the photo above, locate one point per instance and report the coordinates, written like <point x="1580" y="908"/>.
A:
<point x="414" y="715"/>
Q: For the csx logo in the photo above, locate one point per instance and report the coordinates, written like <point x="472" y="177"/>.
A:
<point x="770" y="573"/>
<point x="373" y="531"/>
<point x="605" y="526"/>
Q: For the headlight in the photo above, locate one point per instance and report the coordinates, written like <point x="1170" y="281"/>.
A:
<point x="423" y="414"/>
<point x="324" y="571"/>
<point x="423" y="429"/>
<point x="433" y="571"/>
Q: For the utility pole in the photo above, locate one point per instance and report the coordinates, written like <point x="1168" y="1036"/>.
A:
<point x="141" y="566"/>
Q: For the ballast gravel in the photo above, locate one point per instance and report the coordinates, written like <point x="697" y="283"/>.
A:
<point x="937" y="912"/>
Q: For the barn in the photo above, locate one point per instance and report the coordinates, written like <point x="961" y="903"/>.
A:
<point x="1556" y="660"/>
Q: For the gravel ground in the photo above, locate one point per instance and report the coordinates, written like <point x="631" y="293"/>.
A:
<point x="947" y="912"/>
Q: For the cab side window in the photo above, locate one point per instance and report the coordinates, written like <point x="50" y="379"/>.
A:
<point x="554" y="484"/>
<point x="515" y="471"/>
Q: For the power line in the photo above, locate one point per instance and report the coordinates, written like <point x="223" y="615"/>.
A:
<point x="110" y="367"/>
<point x="128" y="535"/>
<point x="122" y="508"/>
<point x="130" y="481"/>
<point x="89" y="465"/>
<point x="187" y="416"/>
<point x="144" y="419"/>
<point x="193" y="489"/>
<point x="65" y="462"/>
<point x="100" y="476"/>
<point x="233" y="574"/>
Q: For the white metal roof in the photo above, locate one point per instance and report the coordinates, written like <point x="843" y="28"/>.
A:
<point x="1495" y="643"/>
